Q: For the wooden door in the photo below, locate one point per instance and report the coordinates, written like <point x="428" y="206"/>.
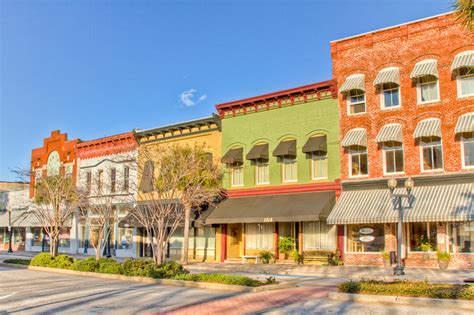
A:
<point x="234" y="240"/>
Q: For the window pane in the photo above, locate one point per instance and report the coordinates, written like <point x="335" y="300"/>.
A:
<point x="429" y="91"/>
<point x="389" y="162"/>
<point x="467" y="85"/>
<point x="468" y="150"/>
<point x="391" y="98"/>
<point x="125" y="238"/>
<point x="363" y="164"/>
<point x="259" y="235"/>
<point x="355" y="167"/>
<point x="463" y="236"/>
<point x="420" y="239"/>
<point x="319" y="166"/>
<point x="358" y="108"/>
<point x="237" y="176"/>
<point x="365" y="238"/>
<point x="37" y="237"/>
<point x="427" y="159"/>
<point x="262" y="173"/>
<point x="437" y="157"/>
<point x="399" y="160"/>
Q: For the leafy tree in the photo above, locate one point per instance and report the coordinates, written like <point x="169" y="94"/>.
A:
<point x="465" y="11"/>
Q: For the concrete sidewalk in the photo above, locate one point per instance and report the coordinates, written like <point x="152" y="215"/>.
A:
<point x="344" y="272"/>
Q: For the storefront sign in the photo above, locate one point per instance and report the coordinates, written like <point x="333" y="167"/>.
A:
<point x="366" y="231"/>
<point x="267" y="219"/>
<point x="366" y="238"/>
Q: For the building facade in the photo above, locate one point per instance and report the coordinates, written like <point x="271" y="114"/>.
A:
<point x="107" y="176"/>
<point x="14" y="205"/>
<point x="281" y="163"/>
<point x="206" y="132"/>
<point x="406" y="108"/>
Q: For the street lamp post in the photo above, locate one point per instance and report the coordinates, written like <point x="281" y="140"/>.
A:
<point x="398" y="205"/>
<point x="10" y="231"/>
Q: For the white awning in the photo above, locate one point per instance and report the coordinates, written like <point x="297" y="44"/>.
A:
<point x="465" y="123"/>
<point x="428" y="128"/>
<point x="391" y="132"/>
<point x="355" y="137"/>
<point x="463" y="60"/>
<point x="424" y="68"/>
<point x="388" y="75"/>
<point x="353" y="82"/>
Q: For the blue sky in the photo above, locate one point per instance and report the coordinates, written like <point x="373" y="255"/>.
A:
<point x="97" y="68"/>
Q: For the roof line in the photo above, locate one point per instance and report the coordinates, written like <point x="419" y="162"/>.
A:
<point x="390" y="27"/>
<point x="188" y="122"/>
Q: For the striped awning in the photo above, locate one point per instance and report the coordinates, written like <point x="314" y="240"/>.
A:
<point x="355" y="137"/>
<point x="465" y="123"/>
<point x="430" y="203"/>
<point x="391" y="132"/>
<point x="388" y="75"/>
<point x="353" y="82"/>
<point x="428" y="128"/>
<point x="424" y="68"/>
<point x="463" y="60"/>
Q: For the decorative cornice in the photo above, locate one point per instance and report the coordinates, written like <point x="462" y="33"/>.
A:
<point x="287" y="189"/>
<point x="115" y="144"/>
<point x="182" y="129"/>
<point x="298" y="95"/>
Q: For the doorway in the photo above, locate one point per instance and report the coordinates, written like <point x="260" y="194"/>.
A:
<point x="234" y="240"/>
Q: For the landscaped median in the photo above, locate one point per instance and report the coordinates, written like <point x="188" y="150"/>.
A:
<point x="145" y="270"/>
<point x="420" y="293"/>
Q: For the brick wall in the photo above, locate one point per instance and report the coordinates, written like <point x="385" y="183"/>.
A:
<point x="440" y="38"/>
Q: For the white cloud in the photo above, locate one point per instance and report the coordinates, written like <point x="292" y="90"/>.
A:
<point x="188" y="97"/>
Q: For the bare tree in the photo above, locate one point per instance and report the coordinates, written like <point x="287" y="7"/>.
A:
<point x="55" y="202"/>
<point x="170" y="186"/>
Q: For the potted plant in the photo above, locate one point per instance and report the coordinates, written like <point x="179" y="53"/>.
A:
<point x="285" y="246"/>
<point x="297" y="257"/>
<point x="443" y="259"/>
<point x="386" y="258"/>
<point x="266" y="256"/>
<point x="425" y="246"/>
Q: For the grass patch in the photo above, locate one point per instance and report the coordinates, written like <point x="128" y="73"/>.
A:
<point x="136" y="267"/>
<point x="410" y="289"/>
<point x="24" y="262"/>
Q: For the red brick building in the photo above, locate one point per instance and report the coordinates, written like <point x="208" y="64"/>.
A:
<point x="406" y="108"/>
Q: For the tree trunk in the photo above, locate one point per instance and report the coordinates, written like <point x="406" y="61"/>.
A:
<point x="185" y="250"/>
<point x="53" y="248"/>
<point x="98" y="250"/>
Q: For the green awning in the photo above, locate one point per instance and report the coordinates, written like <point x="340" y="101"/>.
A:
<point x="259" y="151"/>
<point x="233" y="156"/>
<point x="285" y="148"/>
<point x="316" y="144"/>
<point x="312" y="206"/>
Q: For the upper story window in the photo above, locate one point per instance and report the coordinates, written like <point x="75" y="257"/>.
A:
<point x="425" y="74"/>
<point x="428" y="132"/>
<point x="100" y="181"/>
<point x="388" y="83"/>
<point x="463" y="67"/>
<point x="390" y="137"/>
<point x="234" y="161"/>
<point x="259" y="157"/>
<point x="126" y="178"/>
<point x="88" y="182"/>
<point x="286" y="153"/>
<point x="355" y="142"/>
<point x="113" y="178"/>
<point x="316" y="148"/>
<point x="465" y="129"/>
<point x="354" y="90"/>
<point x="262" y="172"/>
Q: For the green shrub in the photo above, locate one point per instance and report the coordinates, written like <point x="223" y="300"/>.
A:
<point x="25" y="262"/>
<point x="108" y="265"/>
<point x="286" y="245"/>
<point x="444" y="256"/>
<point x="89" y="264"/>
<point x="297" y="257"/>
<point x="220" y="278"/>
<point x="171" y="269"/>
<point x="385" y="255"/>
<point x="139" y="268"/>
<point x="62" y="262"/>
<point x="266" y="256"/>
<point x="410" y="288"/>
<point x="42" y="260"/>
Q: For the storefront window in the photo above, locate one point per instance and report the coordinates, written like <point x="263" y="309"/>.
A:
<point x="422" y="237"/>
<point x="205" y="238"/>
<point x="82" y="236"/>
<point x="318" y="235"/>
<point x="364" y="238"/>
<point x="125" y="238"/>
<point x="462" y="236"/>
<point x="286" y="229"/>
<point x="37" y="236"/>
<point x="65" y="238"/>
<point x="2" y="235"/>
<point x="19" y="236"/>
<point x="259" y="235"/>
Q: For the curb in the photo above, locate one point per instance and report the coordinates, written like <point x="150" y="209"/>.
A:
<point x="402" y="300"/>
<point x="178" y="283"/>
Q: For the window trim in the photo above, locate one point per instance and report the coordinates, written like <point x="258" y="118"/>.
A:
<point x="422" y="168"/>
<point x="463" y="162"/>
<point x="349" y="103"/>
<point x="350" y="164"/>
<point x="283" y="165"/>
<point x="259" y="164"/>
<point x="232" y="168"/>
<point x="382" y="98"/>
<point x="427" y="234"/>
<point x="418" y="92"/>
<point x="458" y="83"/>
<point x="384" y="159"/>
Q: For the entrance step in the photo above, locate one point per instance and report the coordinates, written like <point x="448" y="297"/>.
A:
<point x="233" y="261"/>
